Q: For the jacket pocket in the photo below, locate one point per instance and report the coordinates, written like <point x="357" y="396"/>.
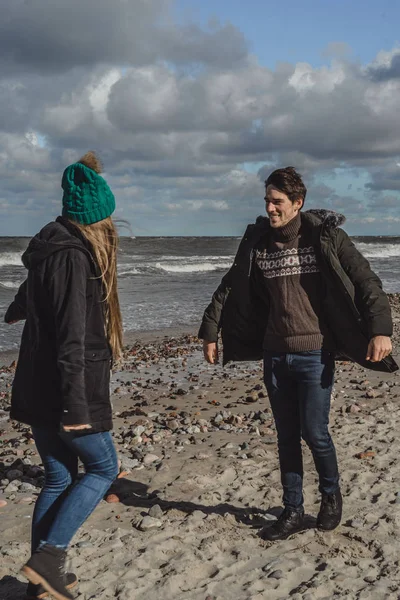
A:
<point x="97" y="354"/>
<point x="97" y="383"/>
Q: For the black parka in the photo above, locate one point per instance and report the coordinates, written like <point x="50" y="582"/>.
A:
<point x="355" y="306"/>
<point x="63" y="370"/>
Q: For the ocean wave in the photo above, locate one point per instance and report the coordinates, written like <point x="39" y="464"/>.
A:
<point x="197" y="258"/>
<point x="192" y="268"/>
<point x="180" y="266"/>
<point x="378" y="250"/>
<point x="10" y="285"/>
<point x="132" y="271"/>
<point x="10" y="258"/>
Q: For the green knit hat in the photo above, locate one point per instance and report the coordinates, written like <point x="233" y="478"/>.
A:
<point x="87" y="198"/>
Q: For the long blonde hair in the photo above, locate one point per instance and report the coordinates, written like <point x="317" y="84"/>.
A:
<point x="103" y="238"/>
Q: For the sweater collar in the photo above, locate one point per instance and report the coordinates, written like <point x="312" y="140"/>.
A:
<point x="288" y="232"/>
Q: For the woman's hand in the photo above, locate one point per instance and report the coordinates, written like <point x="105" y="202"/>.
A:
<point x="210" y="351"/>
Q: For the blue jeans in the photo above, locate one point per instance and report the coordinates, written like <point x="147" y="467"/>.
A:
<point x="299" y="387"/>
<point x="65" y="501"/>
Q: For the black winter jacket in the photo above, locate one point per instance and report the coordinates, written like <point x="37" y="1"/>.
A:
<point x="63" y="370"/>
<point x="355" y="306"/>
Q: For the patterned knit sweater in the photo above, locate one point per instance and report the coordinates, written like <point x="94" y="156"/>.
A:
<point x="287" y="270"/>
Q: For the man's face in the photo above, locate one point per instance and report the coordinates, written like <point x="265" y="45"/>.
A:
<point x="280" y="209"/>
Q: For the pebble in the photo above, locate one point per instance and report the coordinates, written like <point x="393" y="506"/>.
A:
<point x="136" y="440"/>
<point x="277" y="574"/>
<point x="14" y="474"/>
<point x="258" y="453"/>
<point x="149" y="523"/>
<point x="3" y="502"/>
<point x="127" y="464"/>
<point x="354" y="408"/>
<point x="193" y="429"/>
<point x="149" y="459"/>
<point x="34" y="471"/>
<point x="156" y="512"/>
<point x="11" y="487"/>
<point x="357" y="523"/>
<point x="138" y="430"/>
<point x="252" y="398"/>
<point x="197" y="515"/>
<point x="27" y="487"/>
<point x="84" y="544"/>
<point x="271" y="564"/>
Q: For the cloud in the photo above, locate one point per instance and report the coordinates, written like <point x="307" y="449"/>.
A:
<point x="386" y="177"/>
<point x="54" y="35"/>
<point x="386" y="66"/>
<point x="178" y="111"/>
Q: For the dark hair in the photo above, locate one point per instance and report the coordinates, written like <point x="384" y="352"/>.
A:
<point x="289" y="182"/>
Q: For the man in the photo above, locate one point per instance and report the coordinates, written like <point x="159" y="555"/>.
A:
<point x="299" y="293"/>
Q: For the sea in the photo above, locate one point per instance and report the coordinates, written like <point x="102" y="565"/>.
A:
<point x="166" y="282"/>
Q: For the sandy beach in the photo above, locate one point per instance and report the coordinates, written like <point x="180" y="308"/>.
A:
<point x="198" y="445"/>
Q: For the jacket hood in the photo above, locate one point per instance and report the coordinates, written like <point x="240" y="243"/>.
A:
<point x="329" y="218"/>
<point x="54" y="237"/>
<point x="316" y="216"/>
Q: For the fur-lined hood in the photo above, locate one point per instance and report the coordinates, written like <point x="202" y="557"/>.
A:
<point x="328" y="218"/>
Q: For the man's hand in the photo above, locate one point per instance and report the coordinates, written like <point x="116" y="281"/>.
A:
<point x="379" y="347"/>
<point x="210" y="351"/>
<point x="76" y="427"/>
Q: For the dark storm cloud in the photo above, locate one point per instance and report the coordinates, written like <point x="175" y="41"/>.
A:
<point x="57" y="35"/>
<point x="387" y="177"/>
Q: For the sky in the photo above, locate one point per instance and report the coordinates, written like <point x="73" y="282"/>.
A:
<point x="192" y="103"/>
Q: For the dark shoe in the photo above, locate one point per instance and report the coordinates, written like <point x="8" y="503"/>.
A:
<point x="46" y="567"/>
<point x="290" y="521"/>
<point x="37" y="592"/>
<point x="330" y="513"/>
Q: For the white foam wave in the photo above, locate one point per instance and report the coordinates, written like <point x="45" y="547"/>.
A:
<point x="197" y="258"/>
<point x="132" y="271"/>
<point x="10" y="258"/>
<point x="192" y="268"/>
<point x="379" y="250"/>
<point x="12" y="285"/>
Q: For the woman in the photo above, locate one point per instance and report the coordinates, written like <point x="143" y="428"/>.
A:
<point x="61" y="387"/>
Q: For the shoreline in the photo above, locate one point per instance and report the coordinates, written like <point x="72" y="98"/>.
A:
<point x="148" y="336"/>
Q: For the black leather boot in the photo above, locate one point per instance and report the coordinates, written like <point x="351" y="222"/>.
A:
<point x="46" y="567"/>
<point x="330" y="513"/>
<point x="290" y="521"/>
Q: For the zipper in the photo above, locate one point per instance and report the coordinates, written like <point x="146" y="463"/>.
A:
<point x="251" y="261"/>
